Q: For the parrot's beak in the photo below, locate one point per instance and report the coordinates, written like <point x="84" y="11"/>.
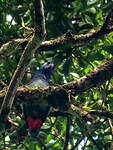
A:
<point x="51" y="65"/>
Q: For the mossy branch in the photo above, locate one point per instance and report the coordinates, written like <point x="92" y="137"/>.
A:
<point x="57" y="96"/>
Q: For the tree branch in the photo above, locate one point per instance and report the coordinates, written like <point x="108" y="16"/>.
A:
<point x="12" y="46"/>
<point x="2" y="84"/>
<point x="32" y="45"/>
<point x="94" y="78"/>
<point x="78" y="142"/>
<point x="97" y="126"/>
<point x="40" y="29"/>
<point x="68" y="39"/>
<point x="57" y="96"/>
<point x="67" y="134"/>
<point x="79" y="40"/>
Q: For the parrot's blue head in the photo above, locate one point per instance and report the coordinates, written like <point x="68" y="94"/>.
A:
<point x="46" y="70"/>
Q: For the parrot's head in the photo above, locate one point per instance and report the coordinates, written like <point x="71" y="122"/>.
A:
<point x="47" y="70"/>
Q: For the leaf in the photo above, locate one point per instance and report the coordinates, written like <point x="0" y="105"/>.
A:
<point x="75" y="75"/>
<point x="108" y="7"/>
<point x="49" y="137"/>
<point x="91" y="17"/>
<point x="84" y="3"/>
<point x="37" y="147"/>
<point x="108" y="138"/>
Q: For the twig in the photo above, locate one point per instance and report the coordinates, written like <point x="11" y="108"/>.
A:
<point x="26" y="148"/>
<point x="67" y="134"/>
<point x="111" y="127"/>
<point x="88" y="133"/>
<point x="57" y="113"/>
<point x="59" y="138"/>
<point x="2" y="84"/>
<point x="85" y="144"/>
<point x="42" y="144"/>
<point x="80" y="56"/>
<point x="77" y="143"/>
<point x="3" y="134"/>
<point x="84" y="135"/>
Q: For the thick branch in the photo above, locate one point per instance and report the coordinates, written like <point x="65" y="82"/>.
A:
<point x="40" y="29"/>
<point x="94" y="78"/>
<point x="79" y="40"/>
<point x="12" y="46"/>
<point x="58" y="96"/>
<point x="32" y="45"/>
<point x="68" y="39"/>
<point x="89" y="113"/>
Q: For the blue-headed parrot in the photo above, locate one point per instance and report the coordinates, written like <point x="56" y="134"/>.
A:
<point x="35" y="114"/>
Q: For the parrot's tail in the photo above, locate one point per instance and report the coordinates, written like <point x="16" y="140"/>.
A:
<point x="35" y="115"/>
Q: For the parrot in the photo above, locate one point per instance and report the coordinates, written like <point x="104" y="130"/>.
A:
<point x="35" y="114"/>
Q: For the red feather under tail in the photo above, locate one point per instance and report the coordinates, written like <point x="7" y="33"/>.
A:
<point x="34" y="124"/>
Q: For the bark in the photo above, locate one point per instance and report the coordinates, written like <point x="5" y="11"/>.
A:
<point x="94" y="78"/>
<point x="57" y="96"/>
<point x="26" y="56"/>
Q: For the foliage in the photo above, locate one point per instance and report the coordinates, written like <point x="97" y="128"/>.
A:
<point x="71" y="63"/>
